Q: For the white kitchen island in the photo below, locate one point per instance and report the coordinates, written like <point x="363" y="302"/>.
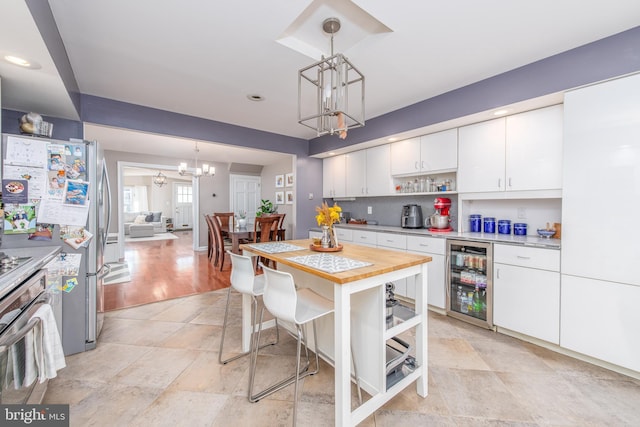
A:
<point x="359" y="320"/>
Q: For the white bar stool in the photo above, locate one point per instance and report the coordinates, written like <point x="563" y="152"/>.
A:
<point x="298" y="307"/>
<point x="245" y="281"/>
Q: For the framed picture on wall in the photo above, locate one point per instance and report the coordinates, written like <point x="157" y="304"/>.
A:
<point x="289" y="197"/>
<point x="279" y="181"/>
<point x="279" y="197"/>
<point x="288" y="180"/>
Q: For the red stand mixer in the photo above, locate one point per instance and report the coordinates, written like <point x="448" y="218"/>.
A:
<point x="440" y="220"/>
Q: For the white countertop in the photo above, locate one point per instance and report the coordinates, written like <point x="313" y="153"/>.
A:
<point x="482" y="237"/>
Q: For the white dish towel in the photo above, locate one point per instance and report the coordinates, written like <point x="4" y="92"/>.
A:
<point x="48" y="353"/>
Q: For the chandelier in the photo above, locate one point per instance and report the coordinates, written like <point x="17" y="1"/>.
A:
<point x="205" y="170"/>
<point x="325" y="90"/>
<point x="160" y="179"/>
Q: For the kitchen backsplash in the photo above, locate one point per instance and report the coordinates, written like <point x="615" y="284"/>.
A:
<point x="387" y="210"/>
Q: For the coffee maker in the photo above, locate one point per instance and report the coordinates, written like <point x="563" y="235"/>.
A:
<point x="440" y="220"/>
<point x="411" y="216"/>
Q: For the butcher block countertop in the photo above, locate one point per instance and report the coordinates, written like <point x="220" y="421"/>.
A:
<point x="382" y="260"/>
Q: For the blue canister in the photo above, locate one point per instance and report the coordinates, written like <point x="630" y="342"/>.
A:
<point x="475" y="222"/>
<point x="504" y="226"/>
<point x="520" y="229"/>
<point x="489" y="225"/>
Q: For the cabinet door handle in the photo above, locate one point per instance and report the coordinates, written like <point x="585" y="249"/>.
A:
<point x="499" y="182"/>
<point x="497" y="273"/>
<point x="416" y="165"/>
<point x="509" y="181"/>
<point x="424" y="245"/>
<point x="523" y="257"/>
<point x="422" y="164"/>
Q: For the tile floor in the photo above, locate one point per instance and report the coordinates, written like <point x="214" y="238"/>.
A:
<point x="156" y="365"/>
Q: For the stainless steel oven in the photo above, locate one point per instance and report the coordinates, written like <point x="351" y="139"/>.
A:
<point x="18" y="381"/>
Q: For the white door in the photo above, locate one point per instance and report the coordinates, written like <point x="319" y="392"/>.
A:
<point x="183" y="202"/>
<point x="245" y="195"/>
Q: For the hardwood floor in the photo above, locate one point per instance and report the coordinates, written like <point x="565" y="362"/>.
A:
<point x="163" y="270"/>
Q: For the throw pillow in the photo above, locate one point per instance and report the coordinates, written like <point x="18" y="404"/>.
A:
<point x="157" y="216"/>
<point x="149" y="218"/>
<point x="140" y="219"/>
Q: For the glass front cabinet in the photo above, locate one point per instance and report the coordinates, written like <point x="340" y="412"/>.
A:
<point x="469" y="282"/>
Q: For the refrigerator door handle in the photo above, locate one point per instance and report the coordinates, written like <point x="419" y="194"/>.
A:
<point x="105" y="177"/>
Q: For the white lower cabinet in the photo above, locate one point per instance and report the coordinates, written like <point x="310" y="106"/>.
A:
<point x="601" y="319"/>
<point x="436" y="288"/>
<point x="343" y="234"/>
<point x="364" y="237"/>
<point x="526" y="291"/>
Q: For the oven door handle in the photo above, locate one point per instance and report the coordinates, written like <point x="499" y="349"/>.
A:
<point x="7" y="342"/>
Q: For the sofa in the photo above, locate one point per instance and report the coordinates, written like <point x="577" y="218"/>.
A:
<point x="154" y="218"/>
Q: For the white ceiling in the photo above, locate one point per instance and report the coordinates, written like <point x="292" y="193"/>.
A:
<point x="203" y="58"/>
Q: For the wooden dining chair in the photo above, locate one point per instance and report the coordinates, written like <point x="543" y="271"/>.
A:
<point x="279" y="228"/>
<point x="221" y="246"/>
<point x="265" y="230"/>
<point x="225" y="219"/>
<point x="210" y="237"/>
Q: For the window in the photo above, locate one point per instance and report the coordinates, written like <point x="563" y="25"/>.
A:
<point x="184" y="194"/>
<point x="135" y="198"/>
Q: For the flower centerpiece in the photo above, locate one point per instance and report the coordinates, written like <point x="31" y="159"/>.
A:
<point x="327" y="216"/>
<point x="242" y="219"/>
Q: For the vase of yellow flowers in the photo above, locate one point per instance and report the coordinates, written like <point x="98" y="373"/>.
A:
<point x="326" y="216"/>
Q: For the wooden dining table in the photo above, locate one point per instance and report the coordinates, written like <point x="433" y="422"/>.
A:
<point x="240" y="234"/>
<point x="356" y="284"/>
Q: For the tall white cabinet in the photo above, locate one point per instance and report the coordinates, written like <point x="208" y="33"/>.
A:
<point x="600" y="230"/>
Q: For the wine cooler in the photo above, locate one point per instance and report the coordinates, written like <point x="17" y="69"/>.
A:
<point x="469" y="282"/>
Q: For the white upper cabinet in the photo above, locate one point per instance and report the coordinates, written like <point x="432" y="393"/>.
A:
<point x="534" y="149"/>
<point x="439" y="151"/>
<point x="334" y="177"/>
<point x="356" y="171"/>
<point x="368" y="172"/>
<point x="515" y="153"/>
<point x="405" y="156"/>
<point x="426" y="154"/>
<point x="481" y="157"/>
<point x="379" y="180"/>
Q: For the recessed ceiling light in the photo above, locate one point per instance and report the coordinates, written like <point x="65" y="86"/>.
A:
<point x="21" y="62"/>
<point x="500" y="112"/>
<point x="255" y="97"/>
<point x="393" y="138"/>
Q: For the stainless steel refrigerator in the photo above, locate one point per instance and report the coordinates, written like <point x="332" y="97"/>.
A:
<point x="83" y="306"/>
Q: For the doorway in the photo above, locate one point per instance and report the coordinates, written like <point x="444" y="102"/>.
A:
<point x="245" y="195"/>
<point x="149" y="170"/>
<point x="182" y="206"/>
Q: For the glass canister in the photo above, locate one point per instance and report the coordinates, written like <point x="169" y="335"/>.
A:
<point x="490" y="225"/>
<point x="504" y="226"/>
<point x="520" y="229"/>
<point x="475" y="222"/>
